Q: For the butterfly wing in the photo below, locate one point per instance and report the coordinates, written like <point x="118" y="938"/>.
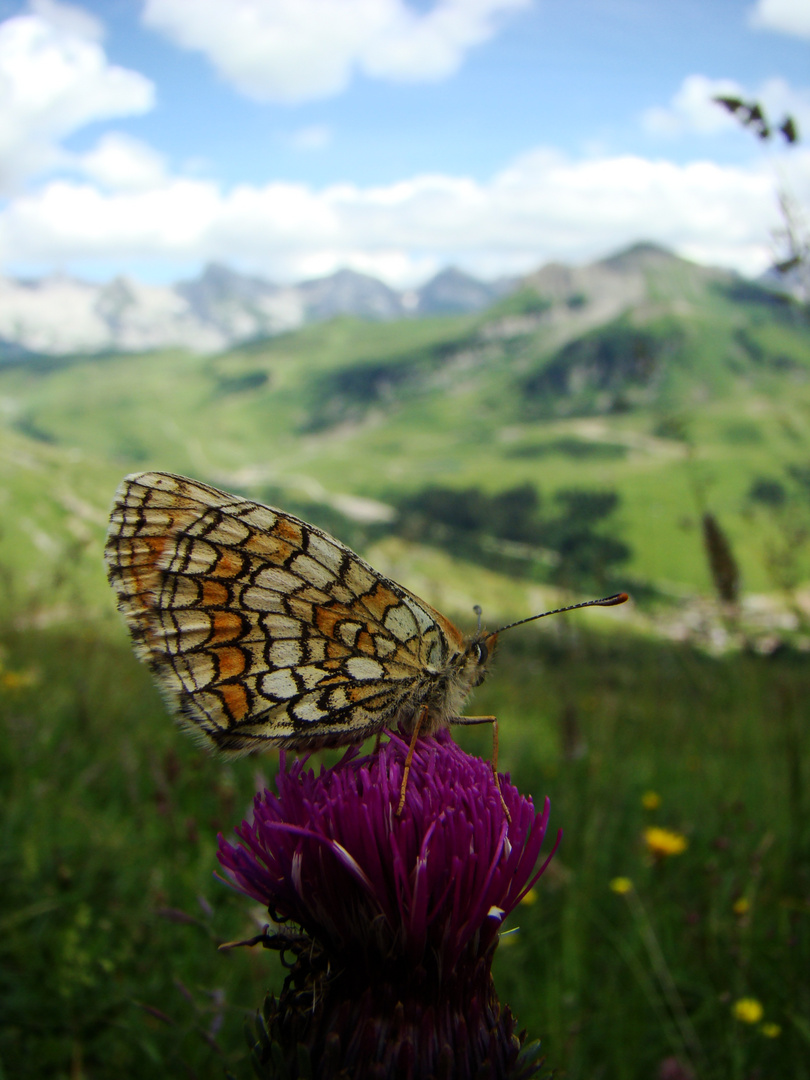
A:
<point x="262" y="630"/>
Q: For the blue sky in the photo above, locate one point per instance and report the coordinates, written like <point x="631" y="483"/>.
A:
<point x="294" y="137"/>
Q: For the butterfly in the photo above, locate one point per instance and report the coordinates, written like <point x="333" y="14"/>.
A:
<point x="264" y="631"/>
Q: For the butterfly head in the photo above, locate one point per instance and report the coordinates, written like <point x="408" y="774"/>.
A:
<point x="481" y="645"/>
<point x="477" y="656"/>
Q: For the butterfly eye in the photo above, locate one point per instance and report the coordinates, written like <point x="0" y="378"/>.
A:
<point x="480" y="652"/>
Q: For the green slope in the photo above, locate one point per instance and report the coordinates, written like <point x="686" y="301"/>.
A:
<point x="674" y="386"/>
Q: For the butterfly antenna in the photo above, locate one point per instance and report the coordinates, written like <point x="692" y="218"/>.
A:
<point x="479" y="612"/>
<point x="606" y="601"/>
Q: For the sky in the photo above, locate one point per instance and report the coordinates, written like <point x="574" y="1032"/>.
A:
<point x="292" y="138"/>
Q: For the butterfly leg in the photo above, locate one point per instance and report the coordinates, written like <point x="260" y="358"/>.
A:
<point x="416" y="729"/>
<point x="494" y="721"/>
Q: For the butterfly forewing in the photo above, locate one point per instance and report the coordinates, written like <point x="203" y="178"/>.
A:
<point x="260" y="628"/>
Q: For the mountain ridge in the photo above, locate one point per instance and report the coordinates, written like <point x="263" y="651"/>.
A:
<point x="222" y="308"/>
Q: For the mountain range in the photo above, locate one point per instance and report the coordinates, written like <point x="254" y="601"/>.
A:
<point x="60" y="315"/>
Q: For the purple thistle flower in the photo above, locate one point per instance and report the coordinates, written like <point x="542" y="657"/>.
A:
<point x="400" y="915"/>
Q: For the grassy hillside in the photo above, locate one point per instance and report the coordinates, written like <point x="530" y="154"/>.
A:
<point x="674" y="387"/>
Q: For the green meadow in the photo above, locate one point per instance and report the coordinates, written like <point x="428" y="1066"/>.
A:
<point x="551" y="447"/>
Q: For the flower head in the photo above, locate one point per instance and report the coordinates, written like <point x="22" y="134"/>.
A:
<point x="400" y="915"/>
<point x="17" y="680"/>
<point x="621" y="885"/>
<point x="747" y="1010"/>
<point x="663" y="842"/>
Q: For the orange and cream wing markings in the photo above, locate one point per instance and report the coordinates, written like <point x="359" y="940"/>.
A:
<point x="264" y="630"/>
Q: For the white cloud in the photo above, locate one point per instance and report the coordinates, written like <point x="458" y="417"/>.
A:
<point x="543" y="206"/>
<point x="693" y="112"/>
<point x="692" y="109"/>
<point x="299" y="50"/>
<point x="120" y="163"/>
<point x="785" y="16"/>
<point x="54" y="79"/>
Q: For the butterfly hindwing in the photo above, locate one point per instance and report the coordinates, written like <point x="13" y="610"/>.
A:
<point x="260" y="628"/>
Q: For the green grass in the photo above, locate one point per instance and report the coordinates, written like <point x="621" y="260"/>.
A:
<point x="724" y="745"/>
<point x="110" y="827"/>
<point x="109" y="963"/>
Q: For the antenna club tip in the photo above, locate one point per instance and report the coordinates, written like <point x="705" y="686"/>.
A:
<point x="613" y="601"/>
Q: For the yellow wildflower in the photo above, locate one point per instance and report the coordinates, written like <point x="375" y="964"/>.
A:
<point x="747" y="1010"/>
<point x="741" y="906"/>
<point x="621" y="885"/>
<point x="650" y="800"/>
<point x="662" y="842"/>
<point x="18" y="680"/>
<point x="771" y="1030"/>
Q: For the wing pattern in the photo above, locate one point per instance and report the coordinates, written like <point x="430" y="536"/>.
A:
<point x="262" y="629"/>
